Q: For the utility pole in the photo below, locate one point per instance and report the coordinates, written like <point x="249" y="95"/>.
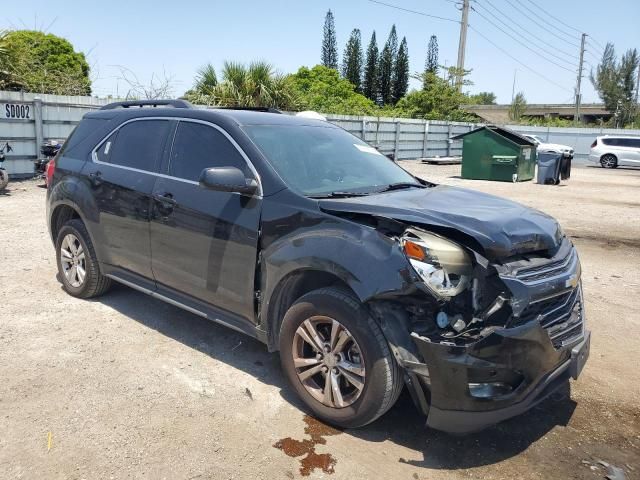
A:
<point x="513" y="88"/>
<point x="576" y="117"/>
<point x="463" y="42"/>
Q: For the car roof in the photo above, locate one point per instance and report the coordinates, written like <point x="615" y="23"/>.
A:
<point x="215" y="115"/>
<point x="635" y="137"/>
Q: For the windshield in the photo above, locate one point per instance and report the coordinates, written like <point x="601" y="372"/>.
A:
<point x="535" y="138"/>
<point x="320" y="161"/>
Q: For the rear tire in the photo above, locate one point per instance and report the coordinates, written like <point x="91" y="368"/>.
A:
<point x="77" y="263"/>
<point x="372" y="380"/>
<point x="4" y="179"/>
<point x="609" y="161"/>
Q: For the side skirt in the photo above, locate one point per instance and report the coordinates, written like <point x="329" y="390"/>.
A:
<point x="186" y="303"/>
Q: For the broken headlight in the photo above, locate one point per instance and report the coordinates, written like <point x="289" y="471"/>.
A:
<point x="444" y="266"/>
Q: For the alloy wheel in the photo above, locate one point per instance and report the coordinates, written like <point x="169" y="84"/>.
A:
<point x="328" y="361"/>
<point x="608" y="161"/>
<point x="72" y="258"/>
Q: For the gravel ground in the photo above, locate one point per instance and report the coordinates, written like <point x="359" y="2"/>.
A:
<point x="128" y="387"/>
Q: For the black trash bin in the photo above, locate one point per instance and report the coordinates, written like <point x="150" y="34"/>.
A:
<point x="565" y="167"/>
<point x="549" y="166"/>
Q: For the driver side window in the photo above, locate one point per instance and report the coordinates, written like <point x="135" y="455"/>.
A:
<point x="197" y="146"/>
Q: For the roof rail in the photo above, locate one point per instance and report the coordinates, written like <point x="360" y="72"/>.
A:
<point x="150" y="103"/>
<point x="252" y="109"/>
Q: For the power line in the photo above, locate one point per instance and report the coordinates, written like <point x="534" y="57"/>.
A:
<point x="524" y="30"/>
<point x="524" y="44"/>
<point x="542" y="25"/>
<point x="518" y="61"/>
<point x="562" y="22"/>
<point x="414" y="11"/>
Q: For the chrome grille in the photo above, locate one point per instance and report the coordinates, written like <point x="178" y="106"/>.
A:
<point x="562" y="316"/>
<point x="548" y="270"/>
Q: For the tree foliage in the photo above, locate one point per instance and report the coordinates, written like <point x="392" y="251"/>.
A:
<point x="321" y="89"/>
<point x="483" y="98"/>
<point x="401" y="72"/>
<point x="253" y="85"/>
<point x="329" y="57"/>
<point x="370" y="79"/>
<point x="32" y="61"/>
<point x="615" y="82"/>
<point x="518" y="107"/>
<point x="352" y="60"/>
<point x="439" y="100"/>
<point x="386" y="67"/>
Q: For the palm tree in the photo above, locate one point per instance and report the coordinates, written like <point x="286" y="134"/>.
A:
<point x="255" y="85"/>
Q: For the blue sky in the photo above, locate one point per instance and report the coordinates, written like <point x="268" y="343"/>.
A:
<point x="148" y="37"/>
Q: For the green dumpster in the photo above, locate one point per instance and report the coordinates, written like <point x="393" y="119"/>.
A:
<point x="496" y="153"/>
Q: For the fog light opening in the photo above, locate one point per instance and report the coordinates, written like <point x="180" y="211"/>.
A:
<point x="489" y="390"/>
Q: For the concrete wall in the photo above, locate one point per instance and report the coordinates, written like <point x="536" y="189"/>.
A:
<point x="55" y="116"/>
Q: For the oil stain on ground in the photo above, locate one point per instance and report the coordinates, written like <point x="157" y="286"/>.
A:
<point x="307" y="448"/>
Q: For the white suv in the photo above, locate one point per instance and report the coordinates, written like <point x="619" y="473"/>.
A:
<point x="610" y="151"/>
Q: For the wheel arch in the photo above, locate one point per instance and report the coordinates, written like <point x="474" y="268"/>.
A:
<point x="289" y="289"/>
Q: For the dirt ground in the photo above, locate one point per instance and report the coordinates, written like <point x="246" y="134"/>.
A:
<point x="129" y="387"/>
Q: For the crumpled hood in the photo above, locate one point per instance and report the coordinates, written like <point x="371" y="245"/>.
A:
<point x="502" y="227"/>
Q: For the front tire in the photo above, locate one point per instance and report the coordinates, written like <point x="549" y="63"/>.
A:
<point x="337" y="359"/>
<point x="77" y="263"/>
<point x="609" y="161"/>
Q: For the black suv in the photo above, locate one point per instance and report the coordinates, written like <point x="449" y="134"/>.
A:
<point x="364" y="277"/>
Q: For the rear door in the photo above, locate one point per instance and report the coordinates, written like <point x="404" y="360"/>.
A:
<point x="204" y="242"/>
<point x="122" y="176"/>
<point x="632" y="151"/>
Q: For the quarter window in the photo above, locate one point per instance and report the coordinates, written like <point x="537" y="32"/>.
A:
<point x="104" y="152"/>
<point x="197" y="146"/>
<point x="139" y="145"/>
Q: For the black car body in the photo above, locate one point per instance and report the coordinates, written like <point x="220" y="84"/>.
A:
<point x="243" y="256"/>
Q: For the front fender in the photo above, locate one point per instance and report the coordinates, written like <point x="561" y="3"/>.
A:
<point x="298" y="238"/>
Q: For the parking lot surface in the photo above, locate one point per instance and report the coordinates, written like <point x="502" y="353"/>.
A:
<point x="126" y="386"/>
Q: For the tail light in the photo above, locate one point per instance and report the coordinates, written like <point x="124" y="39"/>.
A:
<point x="595" y="142"/>
<point x="51" y="168"/>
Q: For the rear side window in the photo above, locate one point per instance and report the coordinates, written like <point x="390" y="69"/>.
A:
<point x="138" y="145"/>
<point x="197" y="146"/>
<point x="84" y="129"/>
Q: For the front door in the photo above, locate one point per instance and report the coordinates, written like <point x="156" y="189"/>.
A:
<point x="204" y="242"/>
<point x="122" y="175"/>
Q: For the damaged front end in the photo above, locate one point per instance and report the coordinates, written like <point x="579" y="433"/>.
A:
<point x="483" y="340"/>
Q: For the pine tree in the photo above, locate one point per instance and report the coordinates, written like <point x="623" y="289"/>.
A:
<point x="432" y="56"/>
<point x="370" y="80"/>
<point x="431" y="65"/>
<point x="386" y="66"/>
<point x="401" y="72"/>
<point x="329" y="42"/>
<point x="352" y="60"/>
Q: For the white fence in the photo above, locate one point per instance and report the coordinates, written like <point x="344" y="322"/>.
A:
<point x="28" y="119"/>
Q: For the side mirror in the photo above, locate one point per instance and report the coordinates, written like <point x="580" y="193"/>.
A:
<point x="227" y="179"/>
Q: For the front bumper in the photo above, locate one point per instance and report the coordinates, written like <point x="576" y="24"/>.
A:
<point x="509" y="370"/>
<point x="524" y="359"/>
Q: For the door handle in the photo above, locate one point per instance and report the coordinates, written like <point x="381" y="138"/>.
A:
<point x="164" y="198"/>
